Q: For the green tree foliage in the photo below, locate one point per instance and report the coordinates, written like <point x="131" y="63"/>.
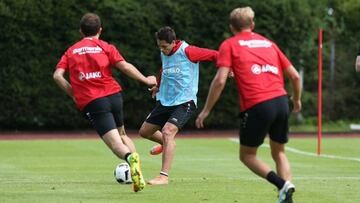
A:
<point x="36" y="33"/>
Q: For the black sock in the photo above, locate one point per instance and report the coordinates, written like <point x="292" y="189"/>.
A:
<point x="275" y="179"/>
<point x="126" y="157"/>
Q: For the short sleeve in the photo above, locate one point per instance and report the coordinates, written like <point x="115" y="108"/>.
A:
<point x="224" y="56"/>
<point x="114" y="55"/>
<point x="63" y="63"/>
<point x="284" y="61"/>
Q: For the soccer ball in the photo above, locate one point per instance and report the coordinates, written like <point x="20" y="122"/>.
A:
<point x="122" y="173"/>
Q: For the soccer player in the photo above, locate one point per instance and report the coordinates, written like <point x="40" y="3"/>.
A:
<point x="175" y="95"/>
<point x="89" y="64"/>
<point x="258" y="66"/>
<point x="357" y="63"/>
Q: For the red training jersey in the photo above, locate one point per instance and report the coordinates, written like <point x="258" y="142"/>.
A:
<point x="89" y="64"/>
<point x="258" y="66"/>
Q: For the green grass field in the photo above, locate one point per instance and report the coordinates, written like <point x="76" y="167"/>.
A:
<point x="204" y="170"/>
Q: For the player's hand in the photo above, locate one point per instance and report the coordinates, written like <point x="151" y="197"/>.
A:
<point x="151" y="81"/>
<point x="153" y="91"/>
<point x="296" y="105"/>
<point x="200" y="119"/>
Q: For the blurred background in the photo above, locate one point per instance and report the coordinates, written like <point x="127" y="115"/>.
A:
<point x="35" y="34"/>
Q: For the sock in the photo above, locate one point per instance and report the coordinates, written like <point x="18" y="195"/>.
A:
<point x="275" y="179"/>
<point x="164" y="174"/>
<point x="127" y="157"/>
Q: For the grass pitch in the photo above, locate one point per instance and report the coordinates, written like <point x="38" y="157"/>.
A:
<point x="204" y="170"/>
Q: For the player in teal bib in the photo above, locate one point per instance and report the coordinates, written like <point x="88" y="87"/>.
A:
<point x="179" y="79"/>
<point x="176" y="96"/>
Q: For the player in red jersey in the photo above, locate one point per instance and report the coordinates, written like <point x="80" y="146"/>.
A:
<point x="89" y="64"/>
<point x="258" y="66"/>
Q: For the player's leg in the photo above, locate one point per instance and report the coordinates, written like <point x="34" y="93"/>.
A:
<point x="126" y="139"/>
<point x="100" y="115"/>
<point x="283" y="171"/>
<point x="133" y="159"/>
<point x="278" y="138"/>
<point x="253" y="129"/>
<point x="151" y="132"/>
<point x="249" y="158"/>
<point x="116" y="102"/>
<point x="180" y="114"/>
<point x="115" y="144"/>
<point x="98" y="112"/>
<point x="281" y="161"/>
<point x="278" y="134"/>
<point x="150" y="129"/>
<point x="113" y="140"/>
<point x="169" y="131"/>
<point x="255" y="124"/>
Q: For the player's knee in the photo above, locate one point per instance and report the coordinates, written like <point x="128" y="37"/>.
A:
<point x="121" y="131"/>
<point x="144" y="133"/>
<point x="168" y="134"/>
<point x="246" y="158"/>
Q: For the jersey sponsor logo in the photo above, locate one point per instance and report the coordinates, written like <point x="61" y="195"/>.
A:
<point x="258" y="69"/>
<point x="88" y="76"/>
<point x="171" y="70"/>
<point x="255" y="43"/>
<point x="87" y="50"/>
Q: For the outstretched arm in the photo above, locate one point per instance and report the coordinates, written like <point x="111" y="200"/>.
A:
<point x="294" y="77"/>
<point x="62" y="82"/>
<point x="130" y="70"/>
<point x="216" y="87"/>
<point x="197" y="54"/>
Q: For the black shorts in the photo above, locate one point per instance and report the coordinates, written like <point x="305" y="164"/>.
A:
<point x="270" y="117"/>
<point x="177" y="115"/>
<point x="105" y="113"/>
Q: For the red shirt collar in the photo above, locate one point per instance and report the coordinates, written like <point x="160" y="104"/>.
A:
<point x="178" y="43"/>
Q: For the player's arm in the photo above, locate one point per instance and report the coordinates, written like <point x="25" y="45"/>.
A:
<point x="357" y="63"/>
<point x="295" y="80"/>
<point x="216" y="87"/>
<point x="197" y="54"/>
<point x="155" y="89"/>
<point x="62" y="82"/>
<point x="294" y="77"/>
<point x="132" y="72"/>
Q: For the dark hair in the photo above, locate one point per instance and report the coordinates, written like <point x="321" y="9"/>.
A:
<point x="90" y="24"/>
<point x="166" y="33"/>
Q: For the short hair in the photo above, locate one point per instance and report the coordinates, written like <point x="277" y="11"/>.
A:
<point x="166" y="33"/>
<point x="90" y="24"/>
<point x="242" y="17"/>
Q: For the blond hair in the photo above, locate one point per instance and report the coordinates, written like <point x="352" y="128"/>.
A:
<point x="241" y="18"/>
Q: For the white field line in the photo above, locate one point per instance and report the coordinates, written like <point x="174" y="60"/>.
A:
<point x="340" y="178"/>
<point x="296" y="151"/>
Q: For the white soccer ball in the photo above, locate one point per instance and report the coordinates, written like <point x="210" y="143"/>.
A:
<point x="122" y="173"/>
